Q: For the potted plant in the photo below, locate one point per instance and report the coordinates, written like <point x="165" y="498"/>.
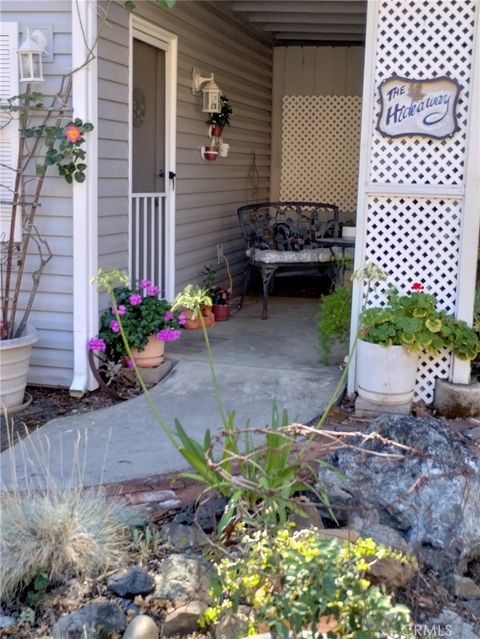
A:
<point x="220" y="297"/>
<point x="147" y="321"/>
<point x="218" y="121"/>
<point x="392" y="337"/>
<point x="45" y="141"/>
<point x="195" y="301"/>
<point x="349" y="228"/>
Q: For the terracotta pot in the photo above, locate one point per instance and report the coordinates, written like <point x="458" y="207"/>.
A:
<point x="221" y="312"/>
<point x="210" y="152"/>
<point x="192" y="323"/>
<point x="208" y="316"/>
<point x="152" y="355"/>
<point x="216" y="131"/>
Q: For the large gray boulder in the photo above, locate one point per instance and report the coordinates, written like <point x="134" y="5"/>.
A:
<point x="428" y="491"/>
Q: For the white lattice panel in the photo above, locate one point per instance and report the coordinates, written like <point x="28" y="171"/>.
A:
<point x="320" y="149"/>
<point x="417" y="240"/>
<point x="423" y="39"/>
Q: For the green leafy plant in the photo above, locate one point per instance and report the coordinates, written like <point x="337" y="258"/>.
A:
<point x="143" y="314"/>
<point x="413" y="321"/>
<point x="296" y="581"/>
<point x="333" y="320"/>
<point x="223" y="118"/>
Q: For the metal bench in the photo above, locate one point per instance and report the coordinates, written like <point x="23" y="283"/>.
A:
<point x="286" y="238"/>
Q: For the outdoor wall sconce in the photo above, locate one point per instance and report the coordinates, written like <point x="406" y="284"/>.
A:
<point x="30" y="58"/>
<point x="211" y="91"/>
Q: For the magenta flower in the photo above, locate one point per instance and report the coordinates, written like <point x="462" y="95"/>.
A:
<point x="153" y="290"/>
<point x="121" y="310"/>
<point x="130" y="363"/>
<point x="115" y="326"/>
<point x="145" y="284"/>
<point x="168" y="316"/>
<point x="169" y="334"/>
<point x="97" y="344"/>
<point x="135" y="299"/>
<point x="182" y="319"/>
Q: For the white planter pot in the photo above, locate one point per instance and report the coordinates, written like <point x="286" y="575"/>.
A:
<point x="349" y="232"/>
<point x="14" y="365"/>
<point x="385" y="375"/>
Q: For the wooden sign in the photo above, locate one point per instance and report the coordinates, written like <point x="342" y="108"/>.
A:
<point x="418" y="107"/>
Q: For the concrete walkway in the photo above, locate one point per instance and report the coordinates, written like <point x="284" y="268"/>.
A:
<point x="256" y="362"/>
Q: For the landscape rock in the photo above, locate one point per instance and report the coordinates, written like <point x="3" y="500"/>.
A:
<point x="233" y="625"/>
<point x="6" y="621"/>
<point x="142" y="627"/>
<point x="429" y="492"/>
<point x="130" y="583"/>
<point x="85" y="622"/>
<point x="184" y="619"/>
<point x="392" y="572"/>
<point x="449" y="624"/>
<point x="312" y="519"/>
<point x="206" y="515"/>
<point x="181" y="579"/>
<point x="380" y="533"/>
<point x="181" y="537"/>
<point x="466" y="588"/>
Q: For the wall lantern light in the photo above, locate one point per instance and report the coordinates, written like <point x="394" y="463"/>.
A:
<point x="211" y="91"/>
<point x="30" y="58"/>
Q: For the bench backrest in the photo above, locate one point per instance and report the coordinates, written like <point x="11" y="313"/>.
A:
<point x="287" y="226"/>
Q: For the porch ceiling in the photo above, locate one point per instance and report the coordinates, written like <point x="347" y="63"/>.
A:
<point x="305" y="21"/>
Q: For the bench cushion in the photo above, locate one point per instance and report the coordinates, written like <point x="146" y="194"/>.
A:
<point x="294" y="257"/>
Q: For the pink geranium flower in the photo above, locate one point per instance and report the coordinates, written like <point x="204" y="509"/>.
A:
<point x="168" y="316"/>
<point x="169" y="334"/>
<point x="145" y="284"/>
<point x="97" y="344"/>
<point x="121" y="310"/>
<point x="135" y="299"/>
<point x="115" y="326"/>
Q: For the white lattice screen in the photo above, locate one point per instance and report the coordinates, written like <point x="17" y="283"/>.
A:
<point x="320" y="149"/>
<point x="416" y="237"/>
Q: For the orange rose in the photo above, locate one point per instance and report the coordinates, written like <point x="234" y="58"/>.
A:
<point x="73" y="133"/>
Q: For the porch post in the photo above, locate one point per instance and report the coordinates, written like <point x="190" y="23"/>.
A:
<point x="418" y="216"/>
<point x="85" y="231"/>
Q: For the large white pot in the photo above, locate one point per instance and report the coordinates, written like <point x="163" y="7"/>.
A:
<point x="14" y="364"/>
<point x="385" y="375"/>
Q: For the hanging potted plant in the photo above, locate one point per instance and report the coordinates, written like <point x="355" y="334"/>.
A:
<point x="147" y="321"/>
<point x="392" y="337"/>
<point x="218" y="121"/>
<point x="45" y="141"/>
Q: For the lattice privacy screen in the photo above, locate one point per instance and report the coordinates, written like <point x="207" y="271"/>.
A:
<point x="417" y="238"/>
<point x="320" y="149"/>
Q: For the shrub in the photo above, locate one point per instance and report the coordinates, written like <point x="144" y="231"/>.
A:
<point x="299" y="581"/>
<point x="61" y="533"/>
<point x="333" y="320"/>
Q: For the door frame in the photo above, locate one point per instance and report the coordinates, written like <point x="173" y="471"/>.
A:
<point x="149" y="33"/>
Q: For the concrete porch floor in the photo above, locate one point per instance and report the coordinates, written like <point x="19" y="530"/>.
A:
<point x="256" y="362"/>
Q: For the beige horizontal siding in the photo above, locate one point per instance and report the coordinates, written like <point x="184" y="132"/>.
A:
<point x="113" y="138"/>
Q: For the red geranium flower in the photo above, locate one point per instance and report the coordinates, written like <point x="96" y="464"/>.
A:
<point x="417" y="286"/>
<point x="73" y="133"/>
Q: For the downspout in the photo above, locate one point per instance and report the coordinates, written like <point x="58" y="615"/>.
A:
<point x="85" y="196"/>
